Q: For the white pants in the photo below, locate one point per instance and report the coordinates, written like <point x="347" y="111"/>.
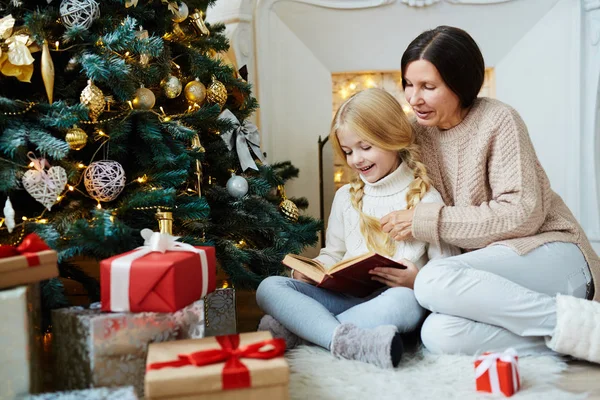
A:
<point x="491" y="299"/>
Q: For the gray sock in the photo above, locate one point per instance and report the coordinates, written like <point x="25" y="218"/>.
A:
<point x="268" y="323"/>
<point x="374" y="346"/>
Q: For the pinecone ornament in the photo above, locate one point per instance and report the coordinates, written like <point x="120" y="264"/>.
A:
<point x="93" y="98"/>
<point x="216" y="92"/>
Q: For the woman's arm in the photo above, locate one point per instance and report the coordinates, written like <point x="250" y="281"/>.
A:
<point x="520" y="196"/>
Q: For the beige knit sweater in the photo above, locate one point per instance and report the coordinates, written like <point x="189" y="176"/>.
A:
<point x="494" y="188"/>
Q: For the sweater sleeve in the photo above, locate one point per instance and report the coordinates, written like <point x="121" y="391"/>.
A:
<point x="519" y="195"/>
<point x="438" y="250"/>
<point x="335" y="244"/>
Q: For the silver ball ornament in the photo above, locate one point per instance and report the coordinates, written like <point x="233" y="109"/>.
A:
<point x="181" y="14"/>
<point x="237" y="186"/>
<point x="171" y="85"/>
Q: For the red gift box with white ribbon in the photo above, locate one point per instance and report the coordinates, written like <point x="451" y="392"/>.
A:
<point x="498" y="373"/>
<point x="162" y="276"/>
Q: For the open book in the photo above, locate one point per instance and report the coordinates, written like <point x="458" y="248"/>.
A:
<point x="350" y="276"/>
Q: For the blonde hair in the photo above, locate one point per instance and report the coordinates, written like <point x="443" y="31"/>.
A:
<point x="376" y="117"/>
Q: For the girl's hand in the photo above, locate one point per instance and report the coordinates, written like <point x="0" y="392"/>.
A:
<point x="303" y="278"/>
<point x="398" y="224"/>
<point x="395" y="277"/>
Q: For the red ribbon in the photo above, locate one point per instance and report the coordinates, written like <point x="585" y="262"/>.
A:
<point x="29" y="247"/>
<point x="235" y="374"/>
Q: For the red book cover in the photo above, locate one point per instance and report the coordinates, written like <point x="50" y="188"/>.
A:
<point x="161" y="282"/>
<point x="349" y="276"/>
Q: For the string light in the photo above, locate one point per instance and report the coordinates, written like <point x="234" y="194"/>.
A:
<point x="24" y="218"/>
<point x="142" y="179"/>
<point x="43" y="221"/>
<point x="59" y="198"/>
<point x="130" y="104"/>
<point x="56" y="44"/>
<point x="99" y="206"/>
<point x="31" y="164"/>
<point x="80" y="166"/>
<point x="71" y="188"/>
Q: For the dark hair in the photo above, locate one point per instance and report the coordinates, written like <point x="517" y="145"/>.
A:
<point x="455" y="55"/>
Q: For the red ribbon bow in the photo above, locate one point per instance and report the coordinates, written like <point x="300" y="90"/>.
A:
<point x="29" y="247"/>
<point x="235" y="374"/>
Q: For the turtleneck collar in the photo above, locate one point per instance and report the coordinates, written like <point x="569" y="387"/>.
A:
<point x="466" y="126"/>
<point x="392" y="184"/>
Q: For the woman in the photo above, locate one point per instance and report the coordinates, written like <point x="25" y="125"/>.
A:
<point x="527" y="267"/>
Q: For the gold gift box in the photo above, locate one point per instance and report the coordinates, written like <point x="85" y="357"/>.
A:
<point x="16" y="271"/>
<point x="268" y="378"/>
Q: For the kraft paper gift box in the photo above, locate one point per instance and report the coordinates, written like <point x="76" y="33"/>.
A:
<point x="31" y="261"/>
<point x="162" y="276"/>
<point x="122" y="393"/>
<point x="220" y="312"/>
<point x="248" y="366"/>
<point x="95" y="349"/>
<point x="498" y="373"/>
<point x="20" y="341"/>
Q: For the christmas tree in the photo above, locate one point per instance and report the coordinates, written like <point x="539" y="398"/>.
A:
<point x="112" y="111"/>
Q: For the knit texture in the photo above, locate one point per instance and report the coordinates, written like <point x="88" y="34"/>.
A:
<point x="343" y="237"/>
<point x="498" y="192"/>
<point x="577" y="328"/>
<point x="373" y="346"/>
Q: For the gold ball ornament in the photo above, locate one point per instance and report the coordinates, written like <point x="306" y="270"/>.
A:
<point x="216" y="92"/>
<point x="195" y="92"/>
<point x="171" y="85"/>
<point x="76" y="138"/>
<point x="93" y="98"/>
<point x="144" y="99"/>
<point x="181" y="13"/>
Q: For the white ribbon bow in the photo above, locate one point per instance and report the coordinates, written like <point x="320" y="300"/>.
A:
<point x="241" y="137"/>
<point x="489" y="363"/>
<point x="153" y="242"/>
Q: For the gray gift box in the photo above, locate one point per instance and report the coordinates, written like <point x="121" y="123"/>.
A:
<point x="122" y="393"/>
<point x="220" y="312"/>
<point x="95" y="349"/>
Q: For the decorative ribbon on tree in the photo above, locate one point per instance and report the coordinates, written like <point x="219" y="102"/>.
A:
<point x="242" y="137"/>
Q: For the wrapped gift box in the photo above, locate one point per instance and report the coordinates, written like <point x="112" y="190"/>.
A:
<point x="32" y="261"/>
<point x="123" y="393"/>
<point x="20" y="341"/>
<point x="498" y="373"/>
<point x="220" y="312"/>
<point x="94" y="349"/>
<point x="161" y="276"/>
<point x="248" y="366"/>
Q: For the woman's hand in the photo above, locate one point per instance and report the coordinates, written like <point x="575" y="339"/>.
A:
<point x="395" y="277"/>
<point x="302" y="278"/>
<point x="398" y="224"/>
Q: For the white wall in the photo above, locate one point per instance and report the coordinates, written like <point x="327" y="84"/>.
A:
<point x="539" y="77"/>
<point x="299" y="91"/>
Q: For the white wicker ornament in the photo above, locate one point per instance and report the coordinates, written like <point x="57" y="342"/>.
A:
<point x="79" y="13"/>
<point x="45" y="186"/>
<point x="104" y="180"/>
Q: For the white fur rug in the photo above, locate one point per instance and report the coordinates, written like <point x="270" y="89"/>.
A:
<point x="316" y="374"/>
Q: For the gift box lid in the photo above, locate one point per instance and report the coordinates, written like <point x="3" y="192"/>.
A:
<point x="18" y="262"/>
<point x="189" y="380"/>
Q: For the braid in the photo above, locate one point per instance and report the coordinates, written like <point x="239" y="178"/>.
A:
<point x="411" y="155"/>
<point x="370" y="228"/>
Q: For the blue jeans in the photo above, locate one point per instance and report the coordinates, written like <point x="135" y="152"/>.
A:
<point x="313" y="313"/>
<point x="491" y="299"/>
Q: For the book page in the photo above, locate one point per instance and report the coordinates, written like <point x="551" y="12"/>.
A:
<point x="343" y="264"/>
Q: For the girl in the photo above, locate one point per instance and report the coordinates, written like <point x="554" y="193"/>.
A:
<point x="373" y="134"/>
